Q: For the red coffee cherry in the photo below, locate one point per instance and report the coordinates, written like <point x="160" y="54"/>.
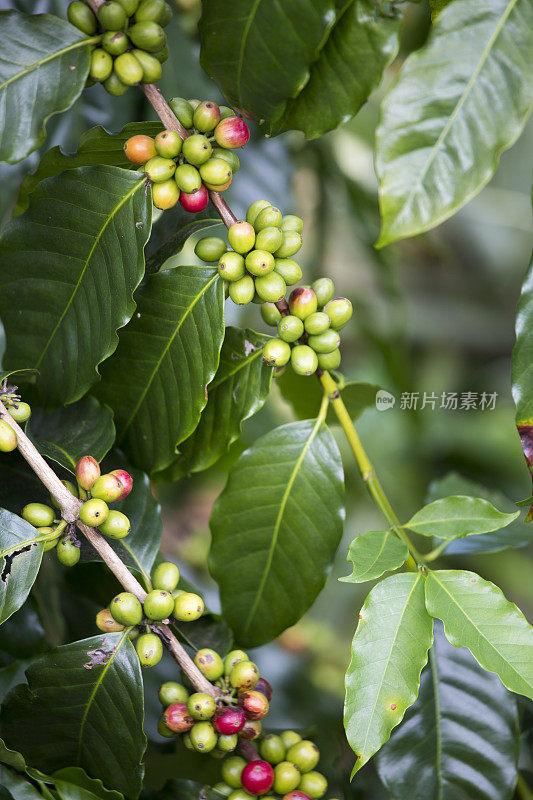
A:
<point x="296" y="794"/>
<point x="229" y="720"/>
<point x="126" y="481"/>
<point x="177" y="718"/>
<point x="254" y="704"/>
<point x="232" y="132"/>
<point x="196" y="201"/>
<point x="257" y="777"/>
<point x="265" y="688"/>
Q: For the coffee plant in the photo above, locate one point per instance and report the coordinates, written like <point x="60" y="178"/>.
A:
<point x="120" y="376"/>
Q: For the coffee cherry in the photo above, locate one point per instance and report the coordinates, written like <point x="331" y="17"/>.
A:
<point x="107" y="487"/>
<point x="233" y="658"/>
<point x="165" y="195"/>
<point x="82" y="17"/>
<point x="304" y="755"/>
<point x="314" y="784"/>
<point x="215" y="172"/>
<point x="227" y="743"/>
<point x="289" y="270"/>
<point x="111" y="15"/>
<point x="94" y="512"/>
<point x="267" y="218"/>
<point x="251" y="729"/>
<point x="265" y="688"/>
<point x="158" y="604"/>
<point x="229" y="721"/>
<point x="229" y="156"/>
<point x="188" y="178"/>
<point x="241" y="236"/>
<point x="324" y="289"/>
<point x="231" y="133"/>
<point x="244" y="675"/>
<point x="210" y="248"/>
<point x="114" y="86"/>
<point x="209" y="663"/>
<point x="232" y="770"/>
<point x="254" y="209"/>
<point x="329" y="360"/>
<point x="106" y="622"/>
<point x="183" y="110"/>
<point x="20" y="411"/>
<point x="260" y="262"/>
<point x="8" y="437"/>
<point x="38" y="515"/>
<point x="149" y="649"/>
<point x="286" y="777"/>
<point x="197" y="149"/>
<point x="150" y="10"/>
<point x="139" y="149"/>
<point x="222" y="788"/>
<point x="218" y="187"/>
<point x="116" y="525"/>
<point x="115" y="42"/>
<point x="276" y="353"/>
<point x="304" y="360"/>
<point x="291" y="243"/>
<point x="172" y="692"/>
<point x="160" y="169"/>
<point x="231" y="266"/>
<point x="325" y="342"/>
<point x="50" y="543"/>
<point x="296" y="794"/>
<point x="240" y="794"/>
<point x="177" y="718"/>
<point x="291" y="222"/>
<point x="317" y="323"/>
<point x="147" y="36"/>
<point x="166" y="17"/>
<point x="126" y="481"/>
<point x="168" y="144"/>
<point x="68" y="552"/>
<point x="242" y="291"/>
<point x="188" y="607"/>
<point x="126" y="609"/>
<point x="302" y="302"/>
<point x="272" y="749"/>
<point x="257" y="777"/>
<point x="201" y="706"/>
<point x="129" y="6"/>
<point x="269" y="239"/>
<point x="101" y="65"/>
<point x="270" y="287"/>
<point x="254" y="704"/>
<point x="203" y="737"/>
<point x="289" y="738"/>
<point x="339" y="311"/>
<point x="206" y="116"/>
<point x="270" y="314"/>
<point x="151" y="66"/>
<point x="166" y="576"/>
<point x="163" y="730"/>
<point x="196" y="201"/>
<point x="290" y="328"/>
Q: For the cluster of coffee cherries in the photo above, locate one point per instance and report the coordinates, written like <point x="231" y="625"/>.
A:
<point x="162" y="601"/>
<point x="18" y="410"/>
<point x="133" y="44"/>
<point x="187" y="169"/>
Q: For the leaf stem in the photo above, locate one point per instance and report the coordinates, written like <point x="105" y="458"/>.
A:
<point x="522" y="789"/>
<point x="435" y="553"/>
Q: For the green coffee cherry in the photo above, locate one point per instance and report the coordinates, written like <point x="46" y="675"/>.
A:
<point x="163" y="730"/>
<point x="165" y="194"/>
<point x="197" y="149"/>
<point x="106" y="623"/>
<point x="289" y="738"/>
<point x="183" y="111"/>
<point x="254" y="209"/>
<point x="101" y="65"/>
<point x="166" y="17"/>
<point x="116" y="525"/>
<point x="231" y="266"/>
<point x="291" y="222"/>
<point x="286" y="777"/>
<point x="168" y="144"/>
<point x="240" y="794"/>
<point x="276" y="353"/>
<point x="290" y="328"/>
<point x="241" y="236"/>
<point x="329" y="360"/>
<point x="126" y="609"/>
<point x="166" y="576"/>
<point x="269" y="239"/>
<point x="115" y="42"/>
<point x="339" y="311"/>
<point x="317" y="323"/>
<point x="114" y="85"/>
<point x="304" y="755"/>
<point x="270" y="287"/>
<point x="244" y="675"/>
<point x="304" y="360"/>
<point x="242" y="291"/>
<point x="129" y="6"/>
<point x="158" y="604"/>
<point x="111" y="16"/>
<point x="290" y="244"/>
<point x="314" y="784"/>
<point x="325" y="342"/>
<point x="38" y="515"/>
<point x="51" y="543"/>
<point x="147" y="36"/>
<point x="203" y="737"/>
<point x="222" y="788"/>
<point x="151" y="66"/>
<point x="226" y="111"/>
<point x="107" y="487"/>
<point x="232" y="770"/>
<point x="172" y="692"/>
<point x="150" y="10"/>
<point x="272" y="749"/>
<point x="233" y="658"/>
<point x="302" y="302"/>
<point x="210" y="248"/>
<point x="82" y="17"/>
<point x="228" y="155"/>
<point x="270" y="314"/>
<point x="188" y="178"/>
<point x="8" y="437"/>
<point x="201" y="706"/>
<point x="267" y="217"/>
<point x="260" y="262"/>
<point x="188" y="607"/>
<point x="227" y="742"/>
<point x="206" y="117"/>
<point x="209" y="663"/>
<point x="215" y="171"/>
<point x="289" y="270"/>
<point x="149" y="649"/>
<point x="68" y="552"/>
<point x="160" y="169"/>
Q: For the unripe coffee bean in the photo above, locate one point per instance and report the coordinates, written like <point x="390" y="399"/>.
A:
<point x="314" y="784"/>
<point x="8" y="437"/>
<point x="267" y="217"/>
<point x="227" y="743"/>
<point x="260" y="262"/>
<point x="254" y="704"/>
<point x="115" y="42"/>
<point x="150" y="10"/>
<point x="276" y="353"/>
<point x="20" y="411"/>
<point x="111" y="16"/>
<point x="242" y="291"/>
<point x="149" y="649"/>
<point x="206" y="116"/>
<point x="289" y="270"/>
<point x="160" y="169"/>
<point x="168" y="144"/>
<point x="126" y="609"/>
<point x="241" y="236"/>
<point x="324" y="290"/>
<point x="151" y="66"/>
<point x="339" y="311"/>
<point x="270" y="314"/>
<point x="231" y="266"/>
<point x="325" y="342"/>
<point x="188" y="607"/>
<point x="183" y="110"/>
<point x="229" y="156"/>
<point x="329" y="360"/>
<point x="257" y="777"/>
<point x="129" y="6"/>
<point x="158" y="604"/>
<point x="38" y="514"/>
<point x="166" y="576"/>
<point x="304" y="360"/>
<point x="140" y="148"/>
<point x="317" y="323"/>
<point x="269" y="239"/>
<point x="197" y="149"/>
<point x="187" y="178"/>
<point x="106" y="622"/>
<point x="82" y="17"/>
<point x="290" y="328"/>
<point x="177" y="718"/>
<point x="270" y="287"/>
<point x="232" y="132"/>
<point x="203" y="737"/>
<point x="68" y="552"/>
<point x="209" y="663"/>
<point x="302" y="302"/>
<point x="229" y="721"/>
<point x="210" y="248"/>
<point x="286" y="777"/>
<point x="290" y="244"/>
<point x="116" y="525"/>
<point x="289" y="738"/>
<point x="147" y="36"/>
<point x="304" y="755"/>
<point x="107" y="487"/>
<point x="101" y="65"/>
<point x="218" y="187"/>
<point x="272" y="749"/>
<point x="233" y="658"/>
<point x="201" y="706"/>
<point x="166" y="18"/>
<point x="196" y="201"/>
<point x="291" y="222"/>
<point x="172" y="692"/>
<point x="244" y="675"/>
<point x="165" y="195"/>
<point x="254" y="209"/>
<point x="215" y="172"/>
<point x="114" y="86"/>
<point x="232" y="770"/>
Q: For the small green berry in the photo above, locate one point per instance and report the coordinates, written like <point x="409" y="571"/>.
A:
<point x="209" y="663"/>
<point x="8" y="437"/>
<point x="101" y="65"/>
<point x="158" y="604"/>
<point x="231" y="771"/>
<point x="325" y="342"/>
<point x="38" y="515"/>
<point x="259" y="262"/>
<point x="304" y="360"/>
<point x="242" y="291"/>
<point x="324" y="290"/>
<point x="244" y="675"/>
<point x="215" y="172"/>
<point x="50" y="543"/>
<point x="241" y="236"/>
<point x="270" y="313"/>
<point x="269" y="239"/>
<point x="82" y="17"/>
<point x="68" y="552"/>
<point x="165" y="194"/>
<point x="187" y="178"/>
<point x="203" y="737"/>
<point x="129" y="6"/>
<point x="276" y="353"/>
<point x="197" y="149"/>
<point x="201" y="706"/>
<point x="226" y="111"/>
<point x="291" y="222"/>
<point x="206" y="117"/>
<point x="289" y="270"/>
<point x="272" y="749"/>
<point x="20" y="411"/>
<point x="339" y="311"/>
<point x="111" y="16"/>
<point x="188" y="607"/>
<point x="149" y="649"/>
<point x="317" y="323"/>
<point x="107" y="487"/>
<point x="228" y="155"/>
<point x="267" y="217"/>
<point x="168" y="144"/>
<point x="329" y="360"/>
<point x="233" y="658"/>
<point x="172" y="692"/>
<point x="289" y="738"/>
<point x="166" y="576"/>
<point x="290" y="244"/>
<point x="313" y="784"/>
<point x="304" y="755"/>
<point x="270" y="287"/>
<point x="210" y="248"/>
<point x="114" y="86"/>
<point x="147" y="36"/>
<point x="286" y="777"/>
<point x="126" y="609"/>
<point x="254" y="209"/>
<point x="227" y="742"/>
<point x="290" y="328"/>
<point x="160" y="169"/>
<point x="151" y="66"/>
<point x="183" y="110"/>
<point x="231" y="266"/>
<point x="115" y="42"/>
<point x="116" y="525"/>
<point x="150" y="10"/>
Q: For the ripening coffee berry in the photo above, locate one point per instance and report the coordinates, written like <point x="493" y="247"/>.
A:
<point x="265" y="688"/>
<point x="128" y="69"/>
<point x="210" y="248"/>
<point x="232" y="770"/>
<point x="259" y="262"/>
<point x="115" y="42"/>
<point x="166" y="576"/>
<point x="177" y="718"/>
<point x="168" y="144"/>
<point x="314" y="784"/>
<point x="324" y="290"/>
<point x="289" y="738"/>
<point x="232" y="658"/>
<point x="231" y="266"/>
<point x="150" y="10"/>
<point x="106" y="622"/>
<point x="240" y="794"/>
<point x="107" y="487"/>
<point x="201" y="706"/>
<point x="209" y="663"/>
<point x="254" y="704"/>
<point x="267" y="217"/>
<point x="165" y="195"/>
<point x="196" y="201"/>
<point x="188" y="178"/>
<point x="215" y="172"/>
<point x="229" y="156"/>
<point x="183" y="110"/>
<point x="172" y="692"/>
<point x="241" y="236"/>
<point x="8" y="437"/>
<point x="289" y="270"/>
<point x="151" y="66"/>
<point x="251" y="729"/>
<point x="317" y="323"/>
<point x="290" y="328"/>
<point x="20" y="411"/>
<point x="163" y="730"/>
<point x="139" y="149"/>
<point x="114" y="86"/>
<point x="229" y="721"/>
<point x="158" y="604"/>
<point x="304" y="755"/>
<point x="254" y="209"/>
<point x="126" y="481"/>
<point x="272" y="749"/>
<point x="276" y="353"/>
<point x="244" y="675"/>
<point x="296" y="794"/>
<point x="101" y="65"/>
<point x="149" y="649"/>
<point x="257" y="777"/>
<point x="87" y="471"/>
<point x="270" y="314"/>
<point x="325" y="342"/>
<point x="38" y="515"/>
<point x="291" y="243"/>
<point x="147" y="36"/>
<point x="218" y="187"/>
<point x="242" y="291"/>
<point x="291" y="222"/>
<point x="126" y="609"/>
<point x="197" y="149"/>
<point x="206" y="116"/>
<point x="82" y="17"/>
<point x="304" y="360"/>
<point x="302" y="302"/>
<point x="68" y="552"/>
<point x="329" y="360"/>
<point x="286" y="777"/>
<point x="203" y="737"/>
<point x="227" y="743"/>
<point x="111" y="16"/>
<point x="269" y="239"/>
<point x="339" y="311"/>
<point x="188" y="607"/>
<point x="231" y="133"/>
<point x="160" y="169"/>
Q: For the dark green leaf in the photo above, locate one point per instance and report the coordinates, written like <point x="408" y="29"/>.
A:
<point x="521" y="369"/>
<point x="210" y="630"/>
<point x="68" y="433"/>
<point x="17" y="787"/>
<point x="11" y="758"/>
<point x="459" y="741"/>
<point x="22" y="635"/>
<point x="172" y="230"/>
<point x="457" y="516"/>
<point x="77" y="711"/>
<point x="68" y="267"/>
<point x="20" y="559"/>
<point x="389" y="650"/>
<point x="73" y="783"/>
<point x="374" y="553"/>
<point x="457" y="104"/>
<point x="45" y="62"/>
<point x="156" y="383"/>
<point x="305" y="396"/>
<point x="276" y="527"/>
<point x="11" y="676"/>
<point x="19" y="484"/>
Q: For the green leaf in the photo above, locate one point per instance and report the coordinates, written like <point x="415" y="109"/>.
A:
<point x="83" y="706"/>
<point x="172" y="230"/>
<point x="478" y="616"/>
<point x="211" y="630"/>
<point x="45" y="62"/>
<point x="521" y="369"/>
<point x="156" y="383"/>
<point x="389" y="650"/>
<point x="457" y="516"/>
<point x="68" y="267"/>
<point x="17" y="787"/>
<point x="19" y="484"/>
<point x="68" y="433"/>
<point x="460" y="739"/>
<point x="374" y="553"/>
<point x="73" y="783"/>
<point x="305" y="396"/>
<point x="20" y="559"/>
<point x="22" y="636"/>
<point x="238" y="390"/>
<point x="456" y="105"/>
<point x="11" y="758"/>
<point x="276" y="527"/>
